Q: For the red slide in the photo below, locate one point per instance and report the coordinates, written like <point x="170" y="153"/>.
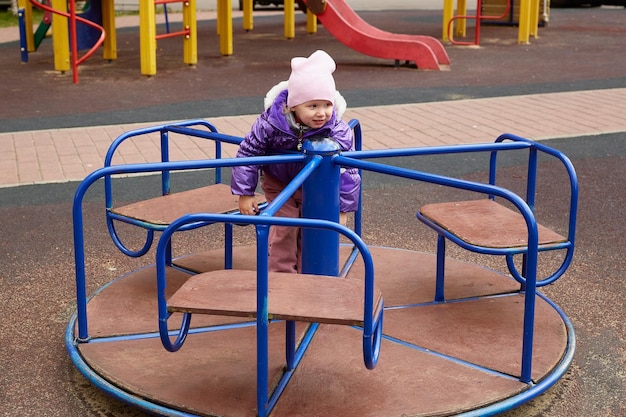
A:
<point x="347" y="26"/>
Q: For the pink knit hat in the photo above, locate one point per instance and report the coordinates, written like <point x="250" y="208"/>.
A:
<point x="311" y="79"/>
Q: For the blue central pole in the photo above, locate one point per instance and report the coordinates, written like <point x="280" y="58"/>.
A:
<point x="320" y="200"/>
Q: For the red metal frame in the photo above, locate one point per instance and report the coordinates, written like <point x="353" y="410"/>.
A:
<point x="73" y="41"/>
<point x="478" y="18"/>
<point x="185" y="32"/>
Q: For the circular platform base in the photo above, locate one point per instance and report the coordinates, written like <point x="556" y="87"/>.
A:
<point x="437" y="359"/>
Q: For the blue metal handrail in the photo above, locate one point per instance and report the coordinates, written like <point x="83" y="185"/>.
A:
<point x="530" y="199"/>
<point x="188" y="128"/>
<point x="515" y="143"/>
<point x="533" y="238"/>
<point x="531" y="251"/>
<point x="163" y="130"/>
<point x="77" y="207"/>
<point x="355" y="125"/>
<point x="372" y="327"/>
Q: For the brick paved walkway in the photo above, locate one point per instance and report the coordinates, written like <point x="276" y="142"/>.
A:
<point x="70" y="154"/>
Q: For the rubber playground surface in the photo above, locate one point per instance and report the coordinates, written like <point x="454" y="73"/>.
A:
<point x="581" y="49"/>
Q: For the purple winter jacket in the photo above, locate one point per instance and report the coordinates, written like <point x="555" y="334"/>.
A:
<point x="271" y="134"/>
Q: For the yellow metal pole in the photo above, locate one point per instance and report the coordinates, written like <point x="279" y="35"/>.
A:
<point x="108" y="23"/>
<point x="60" y="37"/>
<point x="190" y="44"/>
<point x="461" y="24"/>
<point x="290" y="19"/>
<point x="248" y="19"/>
<point x="28" y="20"/>
<point x="524" y="22"/>
<point x="218" y="23"/>
<point x="448" y="13"/>
<point x="534" y="18"/>
<point x="311" y="22"/>
<point x="225" y="24"/>
<point x="147" y="37"/>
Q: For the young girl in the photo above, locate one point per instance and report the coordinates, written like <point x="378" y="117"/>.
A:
<point x="304" y="106"/>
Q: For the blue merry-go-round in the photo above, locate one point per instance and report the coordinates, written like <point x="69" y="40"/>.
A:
<point x="363" y="331"/>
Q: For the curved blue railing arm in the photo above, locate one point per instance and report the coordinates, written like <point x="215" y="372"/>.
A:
<point x="531" y="190"/>
<point x="143" y="249"/>
<point x="516" y="143"/>
<point x="434" y="150"/>
<point x="79" y="195"/>
<point x="292" y="187"/>
<point x="180" y="127"/>
<point x="108" y="159"/>
<point x="571" y="173"/>
<point x="175" y="166"/>
<point x="212" y="134"/>
<point x="487" y="189"/>
<point x="372" y="326"/>
<point x="183" y="128"/>
<point x="355" y="125"/>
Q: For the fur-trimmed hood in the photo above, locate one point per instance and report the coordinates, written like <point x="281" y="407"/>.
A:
<point x="272" y="134"/>
<point x="340" y="103"/>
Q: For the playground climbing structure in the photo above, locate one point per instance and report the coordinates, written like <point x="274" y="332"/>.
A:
<point x="73" y="32"/>
<point x="63" y="18"/>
